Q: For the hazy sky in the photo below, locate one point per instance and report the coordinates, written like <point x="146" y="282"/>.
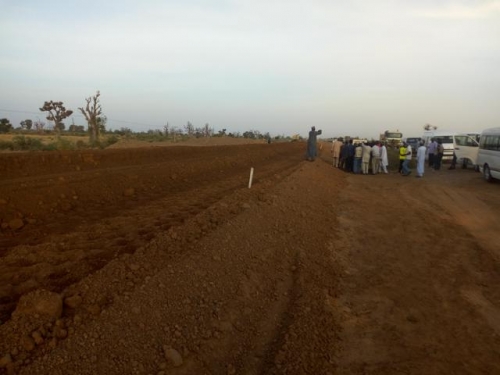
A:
<point x="348" y="67"/>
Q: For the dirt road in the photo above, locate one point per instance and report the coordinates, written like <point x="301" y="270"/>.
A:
<point x="162" y="261"/>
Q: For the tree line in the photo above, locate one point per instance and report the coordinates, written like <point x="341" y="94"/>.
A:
<point x="56" y="113"/>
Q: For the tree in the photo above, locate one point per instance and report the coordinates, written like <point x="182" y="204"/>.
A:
<point x="5" y="125"/>
<point x="60" y="126"/>
<point x="207" y="131"/>
<point x="92" y="114"/>
<point x="430" y="127"/>
<point x="76" y="128"/>
<point x="249" y="134"/>
<point x="101" y="123"/>
<point x="39" y="125"/>
<point x="27" y="124"/>
<point x="189" y="128"/>
<point x="57" y="113"/>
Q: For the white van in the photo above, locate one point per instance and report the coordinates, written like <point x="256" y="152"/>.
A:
<point x="488" y="157"/>
<point x="466" y="148"/>
<point x="463" y="145"/>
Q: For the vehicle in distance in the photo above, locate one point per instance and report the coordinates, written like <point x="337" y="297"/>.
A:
<point x="488" y="156"/>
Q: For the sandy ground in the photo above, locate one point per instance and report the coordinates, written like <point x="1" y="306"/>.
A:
<point x="162" y="261"/>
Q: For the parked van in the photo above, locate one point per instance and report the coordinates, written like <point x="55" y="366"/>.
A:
<point x="463" y="145"/>
<point x="488" y="157"/>
<point x="466" y="148"/>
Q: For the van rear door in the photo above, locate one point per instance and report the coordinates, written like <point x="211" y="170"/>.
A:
<point x="448" y="145"/>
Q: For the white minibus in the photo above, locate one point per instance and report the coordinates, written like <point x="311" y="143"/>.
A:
<point x="463" y="145"/>
<point x="488" y="157"/>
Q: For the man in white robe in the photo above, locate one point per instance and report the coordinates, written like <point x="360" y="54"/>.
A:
<point x="384" y="160"/>
<point x="421" y="159"/>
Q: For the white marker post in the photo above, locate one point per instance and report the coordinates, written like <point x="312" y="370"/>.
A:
<point x="251" y="178"/>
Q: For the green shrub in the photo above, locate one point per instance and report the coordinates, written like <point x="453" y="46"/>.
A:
<point x="111" y="140"/>
<point x="81" y="144"/>
<point x="6" y="145"/>
<point x="64" y="144"/>
<point x="50" y="147"/>
<point x="22" y="143"/>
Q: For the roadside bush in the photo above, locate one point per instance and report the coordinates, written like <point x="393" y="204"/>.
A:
<point x="5" y="145"/>
<point x="111" y="140"/>
<point x="22" y="143"/>
<point x="50" y="147"/>
<point x="81" y="145"/>
<point x="148" y="137"/>
<point x="64" y="144"/>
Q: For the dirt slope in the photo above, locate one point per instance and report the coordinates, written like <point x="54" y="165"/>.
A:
<point x="312" y="271"/>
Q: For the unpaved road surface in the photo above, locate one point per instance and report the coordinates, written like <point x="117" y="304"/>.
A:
<point x="162" y="261"/>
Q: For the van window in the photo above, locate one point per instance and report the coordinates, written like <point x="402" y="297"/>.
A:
<point x="464" y="140"/>
<point x="445" y="138"/>
<point x="490" y="142"/>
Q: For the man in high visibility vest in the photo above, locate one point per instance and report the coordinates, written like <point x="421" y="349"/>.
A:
<point x="402" y="156"/>
<point x="405" y="168"/>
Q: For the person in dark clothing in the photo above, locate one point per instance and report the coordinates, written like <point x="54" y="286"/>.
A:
<point x="312" y="151"/>
<point x="344" y="152"/>
<point x="350" y="157"/>
<point x="438" y="157"/>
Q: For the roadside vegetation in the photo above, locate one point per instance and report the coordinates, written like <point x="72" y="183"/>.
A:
<point x="76" y="138"/>
<point x="53" y="135"/>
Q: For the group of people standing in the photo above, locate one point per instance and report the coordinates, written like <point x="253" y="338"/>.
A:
<point x="435" y="153"/>
<point x="360" y="157"/>
<point x="366" y="157"/>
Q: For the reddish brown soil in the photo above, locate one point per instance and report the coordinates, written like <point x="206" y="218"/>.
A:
<point x="168" y="264"/>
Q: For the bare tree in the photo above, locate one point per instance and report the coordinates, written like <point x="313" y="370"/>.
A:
<point x="189" y="128"/>
<point x="207" y="131"/>
<point x="39" y="125"/>
<point x="92" y="114"/>
<point x="57" y="113"/>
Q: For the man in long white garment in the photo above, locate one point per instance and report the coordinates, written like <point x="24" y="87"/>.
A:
<point x="421" y="159"/>
<point x="384" y="160"/>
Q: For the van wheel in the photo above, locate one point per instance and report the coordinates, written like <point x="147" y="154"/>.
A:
<point x="487" y="173"/>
